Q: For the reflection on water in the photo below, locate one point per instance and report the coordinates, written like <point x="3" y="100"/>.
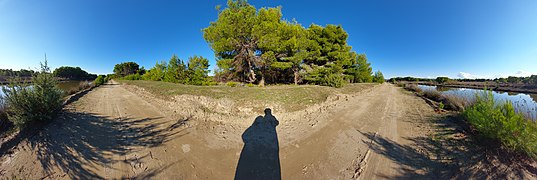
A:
<point x="523" y="102"/>
<point x="65" y="85"/>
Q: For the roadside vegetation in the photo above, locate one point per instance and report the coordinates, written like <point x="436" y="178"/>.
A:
<point x="496" y="121"/>
<point x="499" y="122"/>
<point x="449" y="102"/>
<point x="40" y="102"/>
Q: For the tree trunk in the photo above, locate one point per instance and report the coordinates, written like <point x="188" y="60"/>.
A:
<point x="296" y="76"/>
<point x="262" y="81"/>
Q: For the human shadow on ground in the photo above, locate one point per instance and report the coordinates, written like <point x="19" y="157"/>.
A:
<point x="260" y="158"/>
<point x="448" y="154"/>
<point x="78" y="143"/>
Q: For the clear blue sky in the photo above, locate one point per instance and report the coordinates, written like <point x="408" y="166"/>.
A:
<point x="420" y="38"/>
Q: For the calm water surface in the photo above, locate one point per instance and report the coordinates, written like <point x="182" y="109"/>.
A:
<point x="66" y="85"/>
<point x="523" y="102"/>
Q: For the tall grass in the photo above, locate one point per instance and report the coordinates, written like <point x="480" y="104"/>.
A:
<point x="500" y="122"/>
<point x="448" y="101"/>
<point x="83" y="85"/>
<point x="412" y="87"/>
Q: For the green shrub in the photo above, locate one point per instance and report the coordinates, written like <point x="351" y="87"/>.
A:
<point x="500" y="122"/>
<point x="232" y="84"/>
<point x="333" y="80"/>
<point x="133" y="77"/>
<point x="250" y="85"/>
<point x="39" y="102"/>
<point x="99" y="80"/>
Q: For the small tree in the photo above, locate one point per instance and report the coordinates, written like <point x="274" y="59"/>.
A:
<point x="378" y="77"/>
<point x="39" y="102"/>
<point x="126" y="68"/>
<point x="442" y="80"/>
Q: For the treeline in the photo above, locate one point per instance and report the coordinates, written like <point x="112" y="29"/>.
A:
<point x="257" y="46"/>
<point x="73" y="73"/>
<point x="20" y="73"/>
<point x="530" y="80"/>
<point x="195" y="71"/>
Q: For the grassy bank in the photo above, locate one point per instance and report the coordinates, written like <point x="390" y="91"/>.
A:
<point x="291" y="97"/>
<point x="450" y="102"/>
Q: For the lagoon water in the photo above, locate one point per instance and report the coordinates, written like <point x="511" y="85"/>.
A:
<point x="66" y="85"/>
<point x="523" y="102"/>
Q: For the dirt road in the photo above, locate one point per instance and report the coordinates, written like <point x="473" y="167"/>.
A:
<point x="113" y="133"/>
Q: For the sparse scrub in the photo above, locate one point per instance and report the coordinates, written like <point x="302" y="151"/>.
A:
<point x="500" y="122"/>
<point x="232" y="84"/>
<point x="433" y="95"/>
<point x="457" y="103"/>
<point x="83" y="85"/>
<point x="40" y="102"/>
<point x="412" y="87"/>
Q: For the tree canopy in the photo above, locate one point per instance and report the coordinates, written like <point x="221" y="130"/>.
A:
<point x="73" y="73"/>
<point x="257" y="45"/>
<point x="126" y="68"/>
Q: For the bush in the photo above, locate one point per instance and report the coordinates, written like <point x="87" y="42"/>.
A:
<point x="498" y="121"/>
<point x="333" y="80"/>
<point x="99" y="81"/>
<point x="232" y="84"/>
<point x="39" y="102"/>
<point x="133" y="77"/>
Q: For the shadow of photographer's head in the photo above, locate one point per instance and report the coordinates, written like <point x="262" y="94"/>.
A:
<point x="268" y="111"/>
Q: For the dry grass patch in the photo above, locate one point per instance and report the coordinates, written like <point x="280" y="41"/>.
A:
<point x="290" y="97"/>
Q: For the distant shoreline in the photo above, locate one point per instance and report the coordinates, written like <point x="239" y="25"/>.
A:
<point x="518" y="88"/>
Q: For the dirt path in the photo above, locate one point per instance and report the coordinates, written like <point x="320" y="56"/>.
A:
<point x="114" y="133"/>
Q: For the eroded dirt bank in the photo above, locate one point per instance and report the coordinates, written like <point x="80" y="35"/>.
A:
<point x="118" y="131"/>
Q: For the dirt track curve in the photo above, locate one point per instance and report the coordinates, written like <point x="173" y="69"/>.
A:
<point x="114" y="133"/>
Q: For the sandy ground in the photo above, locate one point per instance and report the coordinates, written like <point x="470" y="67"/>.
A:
<point x="117" y="131"/>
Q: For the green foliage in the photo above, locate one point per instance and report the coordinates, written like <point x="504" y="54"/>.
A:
<point x="232" y="84"/>
<point x="250" y="85"/>
<point x="99" y="80"/>
<point x="441" y="105"/>
<point x="21" y="73"/>
<point x="442" y="80"/>
<point x="132" y="77"/>
<point x="257" y="45"/>
<point x="39" y="102"/>
<point x="109" y="77"/>
<point x="195" y="73"/>
<point x="73" y="73"/>
<point x="378" y="77"/>
<point x="126" y="68"/>
<point x="500" y="122"/>
<point x="333" y="80"/>
<point x="198" y="68"/>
